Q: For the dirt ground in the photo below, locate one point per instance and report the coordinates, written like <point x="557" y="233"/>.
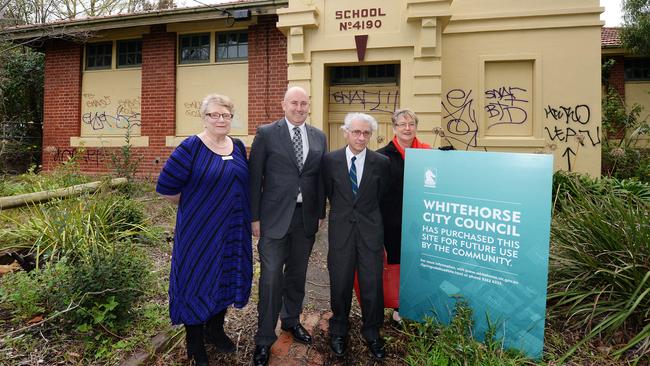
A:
<point x="241" y="326"/>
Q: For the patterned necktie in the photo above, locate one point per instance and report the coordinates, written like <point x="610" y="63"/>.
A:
<point x="353" y="177"/>
<point x="297" y="146"/>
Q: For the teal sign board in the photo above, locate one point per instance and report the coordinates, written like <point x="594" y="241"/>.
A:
<point x="476" y="226"/>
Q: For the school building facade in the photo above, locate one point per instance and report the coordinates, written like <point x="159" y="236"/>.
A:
<point x="515" y="76"/>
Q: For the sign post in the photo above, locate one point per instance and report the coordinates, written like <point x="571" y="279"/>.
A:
<point x="476" y="225"/>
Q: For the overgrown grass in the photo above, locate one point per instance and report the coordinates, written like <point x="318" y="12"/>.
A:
<point x="32" y="181"/>
<point x="74" y="228"/>
<point x="434" y="344"/>
<point x="599" y="271"/>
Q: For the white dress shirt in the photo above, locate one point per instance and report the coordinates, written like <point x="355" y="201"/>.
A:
<point x="361" y="160"/>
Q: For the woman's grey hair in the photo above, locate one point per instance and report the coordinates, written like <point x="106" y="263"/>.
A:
<point x="406" y="113"/>
<point x="359" y="116"/>
<point x="217" y="99"/>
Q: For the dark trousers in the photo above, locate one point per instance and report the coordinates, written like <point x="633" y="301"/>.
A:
<point x="341" y="263"/>
<point x="282" y="279"/>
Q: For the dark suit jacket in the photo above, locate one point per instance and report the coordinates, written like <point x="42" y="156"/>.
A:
<point x="391" y="207"/>
<point x="362" y="211"/>
<point x="275" y="178"/>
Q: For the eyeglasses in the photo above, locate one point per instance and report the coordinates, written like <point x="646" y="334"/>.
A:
<point x="217" y="115"/>
<point x="404" y="124"/>
<point x="357" y="133"/>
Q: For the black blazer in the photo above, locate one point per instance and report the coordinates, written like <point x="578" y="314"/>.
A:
<point x="391" y="207"/>
<point x="346" y="211"/>
<point x="275" y="178"/>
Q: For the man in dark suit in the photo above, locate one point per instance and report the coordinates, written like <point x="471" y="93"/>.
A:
<point x="287" y="203"/>
<point x="355" y="182"/>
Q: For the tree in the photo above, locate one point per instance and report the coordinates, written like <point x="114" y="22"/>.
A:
<point x="635" y="35"/>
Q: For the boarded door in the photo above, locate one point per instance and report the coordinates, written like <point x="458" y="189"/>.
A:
<point x="378" y="100"/>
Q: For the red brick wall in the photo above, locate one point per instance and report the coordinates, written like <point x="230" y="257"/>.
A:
<point x="158" y="96"/>
<point x="267" y="81"/>
<point x="267" y="72"/>
<point x="62" y="100"/>
<point x="617" y="75"/>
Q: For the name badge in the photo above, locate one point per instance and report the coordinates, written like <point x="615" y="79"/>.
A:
<point x="227" y="157"/>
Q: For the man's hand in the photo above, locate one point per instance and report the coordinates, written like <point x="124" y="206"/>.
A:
<point x="255" y="228"/>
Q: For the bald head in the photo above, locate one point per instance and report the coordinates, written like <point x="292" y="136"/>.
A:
<point x="293" y="91"/>
<point x="296" y="105"/>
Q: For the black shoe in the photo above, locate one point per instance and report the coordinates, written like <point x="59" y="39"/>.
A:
<point x="261" y="355"/>
<point x="195" y="345"/>
<point x="338" y="345"/>
<point x="376" y="347"/>
<point x="299" y="333"/>
<point x="216" y="334"/>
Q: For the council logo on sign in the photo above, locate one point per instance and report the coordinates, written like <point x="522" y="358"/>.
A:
<point x="430" y="178"/>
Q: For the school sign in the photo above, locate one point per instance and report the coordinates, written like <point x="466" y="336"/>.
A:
<point x="476" y="226"/>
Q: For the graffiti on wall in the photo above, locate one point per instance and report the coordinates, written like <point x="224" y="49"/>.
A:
<point x="505" y="105"/>
<point x="378" y="100"/>
<point x="574" y="129"/>
<point x="60" y="155"/>
<point x="104" y="113"/>
<point x="460" y="116"/>
<point x="567" y="127"/>
<point x="192" y="108"/>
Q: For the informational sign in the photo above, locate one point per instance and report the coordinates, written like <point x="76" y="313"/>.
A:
<point x="476" y="226"/>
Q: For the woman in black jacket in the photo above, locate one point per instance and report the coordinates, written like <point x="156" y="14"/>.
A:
<point x="405" y="124"/>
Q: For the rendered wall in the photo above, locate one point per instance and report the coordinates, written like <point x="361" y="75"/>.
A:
<point x="524" y="76"/>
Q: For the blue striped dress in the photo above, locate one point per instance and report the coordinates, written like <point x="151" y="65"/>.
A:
<point x="212" y="265"/>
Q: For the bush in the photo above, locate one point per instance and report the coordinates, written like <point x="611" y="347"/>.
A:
<point x="431" y="343"/>
<point x="105" y="284"/>
<point x="569" y="188"/>
<point x="75" y="227"/>
<point x="599" y="271"/>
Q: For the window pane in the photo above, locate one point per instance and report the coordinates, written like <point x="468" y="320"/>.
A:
<point x="232" y="45"/>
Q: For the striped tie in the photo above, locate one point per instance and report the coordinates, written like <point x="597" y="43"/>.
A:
<point x="353" y="177"/>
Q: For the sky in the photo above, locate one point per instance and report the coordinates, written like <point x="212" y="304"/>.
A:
<point x="612" y="16"/>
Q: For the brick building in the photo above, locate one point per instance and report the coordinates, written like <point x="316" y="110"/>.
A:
<point x="492" y="76"/>
<point x="630" y="74"/>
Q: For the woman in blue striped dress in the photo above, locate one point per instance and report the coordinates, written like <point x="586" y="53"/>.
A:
<point x="207" y="175"/>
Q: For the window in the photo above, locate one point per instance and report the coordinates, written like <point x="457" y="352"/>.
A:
<point x="232" y="46"/>
<point x="369" y="74"/>
<point x="194" y="48"/>
<point x="129" y="53"/>
<point x="98" y="55"/>
<point x="637" y="69"/>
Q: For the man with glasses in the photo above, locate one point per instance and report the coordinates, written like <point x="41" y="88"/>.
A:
<point x="354" y="178"/>
<point x="287" y="204"/>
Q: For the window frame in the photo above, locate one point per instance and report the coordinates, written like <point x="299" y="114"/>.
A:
<point x="363" y="78"/>
<point x="631" y="65"/>
<point x="137" y="52"/>
<point x="181" y="61"/>
<point x="238" y="45"/>
<point x="96" y="54"/>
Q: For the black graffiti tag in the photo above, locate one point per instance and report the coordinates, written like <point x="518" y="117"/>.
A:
<point x="460" y="117"/>
<point x="579" y="113"/>
<point x="373" y="101"/>
<point x="505" y="107"/>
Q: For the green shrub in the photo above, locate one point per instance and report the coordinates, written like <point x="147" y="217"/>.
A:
<point x="569" y="188"/>
<point x="431" y="343"/>
<point x="599" y="271"/>
<point x="105" y="284"/>
<point x="75" y="227"/>
<point x="25" y="294"/>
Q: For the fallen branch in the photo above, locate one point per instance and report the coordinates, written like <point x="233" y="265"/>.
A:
<point x="44" y="196"/>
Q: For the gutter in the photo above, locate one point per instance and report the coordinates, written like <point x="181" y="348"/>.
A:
<point x="71" y="27"/>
